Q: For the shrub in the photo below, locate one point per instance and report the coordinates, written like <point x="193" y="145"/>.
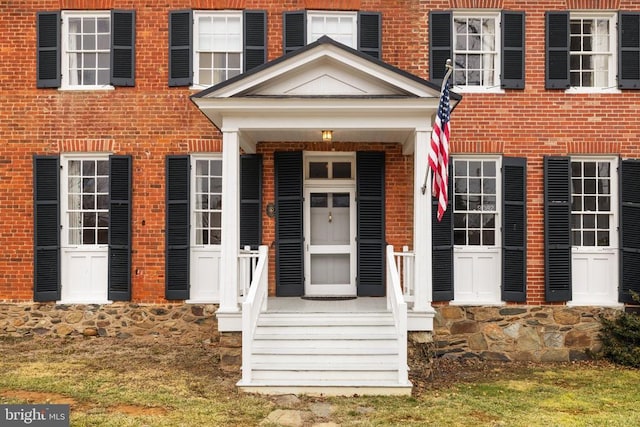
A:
<point x="621" y="338"/>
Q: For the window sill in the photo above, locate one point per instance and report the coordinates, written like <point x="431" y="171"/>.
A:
<point x="74" y="302"/>
<point x="478" y="89"/>
<point x="86" y="88"/>
<point x="592" y="90"/>
<point x="477" y="303"/>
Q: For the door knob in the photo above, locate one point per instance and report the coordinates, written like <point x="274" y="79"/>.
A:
<point x="330" y="217"/>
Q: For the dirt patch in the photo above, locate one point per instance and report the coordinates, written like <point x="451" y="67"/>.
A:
<point x="39" y="397"/>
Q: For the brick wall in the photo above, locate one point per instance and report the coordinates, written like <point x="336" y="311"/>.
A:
<point x="151" y="120"/>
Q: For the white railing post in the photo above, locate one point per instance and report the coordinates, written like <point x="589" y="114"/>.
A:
<point x="398" y="307"/>
<point x="255" y="302"/>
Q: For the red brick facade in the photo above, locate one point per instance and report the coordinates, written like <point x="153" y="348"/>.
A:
<point x="152" y="120"/>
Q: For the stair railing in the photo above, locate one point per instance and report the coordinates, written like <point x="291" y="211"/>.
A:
<point x="398" y="307"/>
<point x="254" y="303"/>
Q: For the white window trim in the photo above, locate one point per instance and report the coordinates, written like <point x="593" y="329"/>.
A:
<point x="613" y="60"/>
<point x="352" y="15"/>
<point x="196" y="41"/>
<point x="482" y="13"/>
<point x="64" y="42"/>
<point x="64" y="194"/>
<point x="329" y="156"/>
<point x="498" y="211"/>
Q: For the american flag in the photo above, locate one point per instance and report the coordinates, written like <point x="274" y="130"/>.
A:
<point x="439" y="151"/>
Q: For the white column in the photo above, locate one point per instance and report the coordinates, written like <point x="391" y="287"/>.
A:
<point x="422" y="225"/>
<point x="230" y="244"/>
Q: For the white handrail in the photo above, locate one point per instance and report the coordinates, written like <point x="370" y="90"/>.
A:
<point x="405" y="265"/>
<point x="247" y="261"/>
<point x="254" y="303"/>
<point x="398" y="307"/>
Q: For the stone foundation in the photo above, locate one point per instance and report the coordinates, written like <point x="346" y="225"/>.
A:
<point x="518" y="333"/>
<point x="511" y="333"/>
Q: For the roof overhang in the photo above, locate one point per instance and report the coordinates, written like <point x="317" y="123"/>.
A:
<point x="324" y="85"/>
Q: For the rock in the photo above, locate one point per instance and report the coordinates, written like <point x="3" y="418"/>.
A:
<point x="493" y="355"/>
<point x="64" y="330"/>
<point x="284" y="417"/>
<point x="287" y="400"/>
<point x="555" y="355"/>
<point x="578" y="339"/>
<point x="450" y="312"/>
<point x="477" y="342"/>
<point x="464" y="327"/>
<point x="512" y="311"/>
<point x="90" y="332"/>
<point x="567" y="316"/>
<point x="553" y="339"/>
<point x="321" y="409"/>
<point x="197" y="310"/>
<point x="421" y="337"/>
<point x="494" y="332"/>
<point x="74" y="317"/>
<point x="485" y="314"/>
<point x="528" y="340"/>
<point x="513" y="330"/>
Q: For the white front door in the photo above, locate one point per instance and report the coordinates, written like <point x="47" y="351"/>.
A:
<point x="84" y="182"/>
<point x="206" y="229"/>
<point x="330" y="254"/>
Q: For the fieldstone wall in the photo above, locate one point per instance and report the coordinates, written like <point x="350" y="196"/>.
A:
<point x="518" y="333"/>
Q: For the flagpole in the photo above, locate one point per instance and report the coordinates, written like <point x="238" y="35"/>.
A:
<point x="449" y="68"/>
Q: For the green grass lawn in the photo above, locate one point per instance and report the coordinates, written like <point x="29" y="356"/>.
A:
<point x="132" y="383"/>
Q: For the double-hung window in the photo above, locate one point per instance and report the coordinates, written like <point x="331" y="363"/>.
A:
<point x="477" y="44"/>
<point x="86" y="43"/>
<point x="208" y="201"/>
<point x="487" y="48"/>
<point x="592" y="55"/>
<point x="340" y="26"/>
<point x="218" y="47"/>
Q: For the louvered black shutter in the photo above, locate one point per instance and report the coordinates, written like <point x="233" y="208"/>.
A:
<point x="629" y="230"/>
<point x="295" y="30"/>
<point x="289" y="234"/>
<point x="250" y="200"/>
<point x="255" y="38"/>
<point x="371" y="223"/>
<point x="119" y="228"/>
<point x="370" y="33"/>
<point x="442" y="247"/>
<point x="512" y="50"/>
<point x="629" y="50"/>
<point x="514" y="229"/>
<point x="123" y="47"/>
<point x="180" y="48"/>
<point x="440" y="45"/>
<point x="48" y="56"/>
<point x="557" y="228"/>
<point x="46" y="233"/>
<point x="177" y="228"/>
<point x="557" y="50"/>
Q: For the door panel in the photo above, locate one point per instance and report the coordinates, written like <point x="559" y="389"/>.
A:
<point x="330" y="231"/>
<point x="477" y="276"/>
<point x="84" y="275"/>
<point x="204" y="275"/>
<point x="593" y="272"/>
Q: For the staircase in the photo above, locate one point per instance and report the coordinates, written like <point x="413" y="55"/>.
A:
<point x="326" y="352"/>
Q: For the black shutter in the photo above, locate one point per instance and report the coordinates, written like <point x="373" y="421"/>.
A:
<point x="370" y="33"/>
<point x="629" y="50"/>
<point x="440" y="44"/>
<point x="629" y="230"/>
<point x="514" y="229"/>
<point x="46" y="233"/>
<point x="512" y="50"/>
<point x="289" y="234"/>
<point x="255" y="38"/>
<point x="295" y="30"/>
<point x="48" y="56"/>
<point x="557" y="228"/>
<point x="557" y="50"/>
<point x="180" y="48"/>
<point x="119" y="228"/>
<point x="250" y="200"/>
<point x="123" y="47"/>
<point x="370" y="199"/>
<point x="177" y="228"/>
<point x="442" y="247"/>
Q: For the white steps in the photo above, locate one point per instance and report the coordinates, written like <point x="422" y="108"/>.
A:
<point x="334" y="353"/>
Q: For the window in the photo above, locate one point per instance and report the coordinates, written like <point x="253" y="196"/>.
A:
<point x="591" y="208"/>
<point x="592" y="50"/>
<point x="340" y="26"/>
<point x="88" y="201"/>
<point x="476" y="49"/>
<point x="86" y="41"/>
<point x="218" y="47"/>
<point x="475" y="207"/>
<point x="319" y="167"/>
<point x="208" y="201"/>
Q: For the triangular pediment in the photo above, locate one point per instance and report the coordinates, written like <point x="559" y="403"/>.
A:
<point x="324" y="68"/>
